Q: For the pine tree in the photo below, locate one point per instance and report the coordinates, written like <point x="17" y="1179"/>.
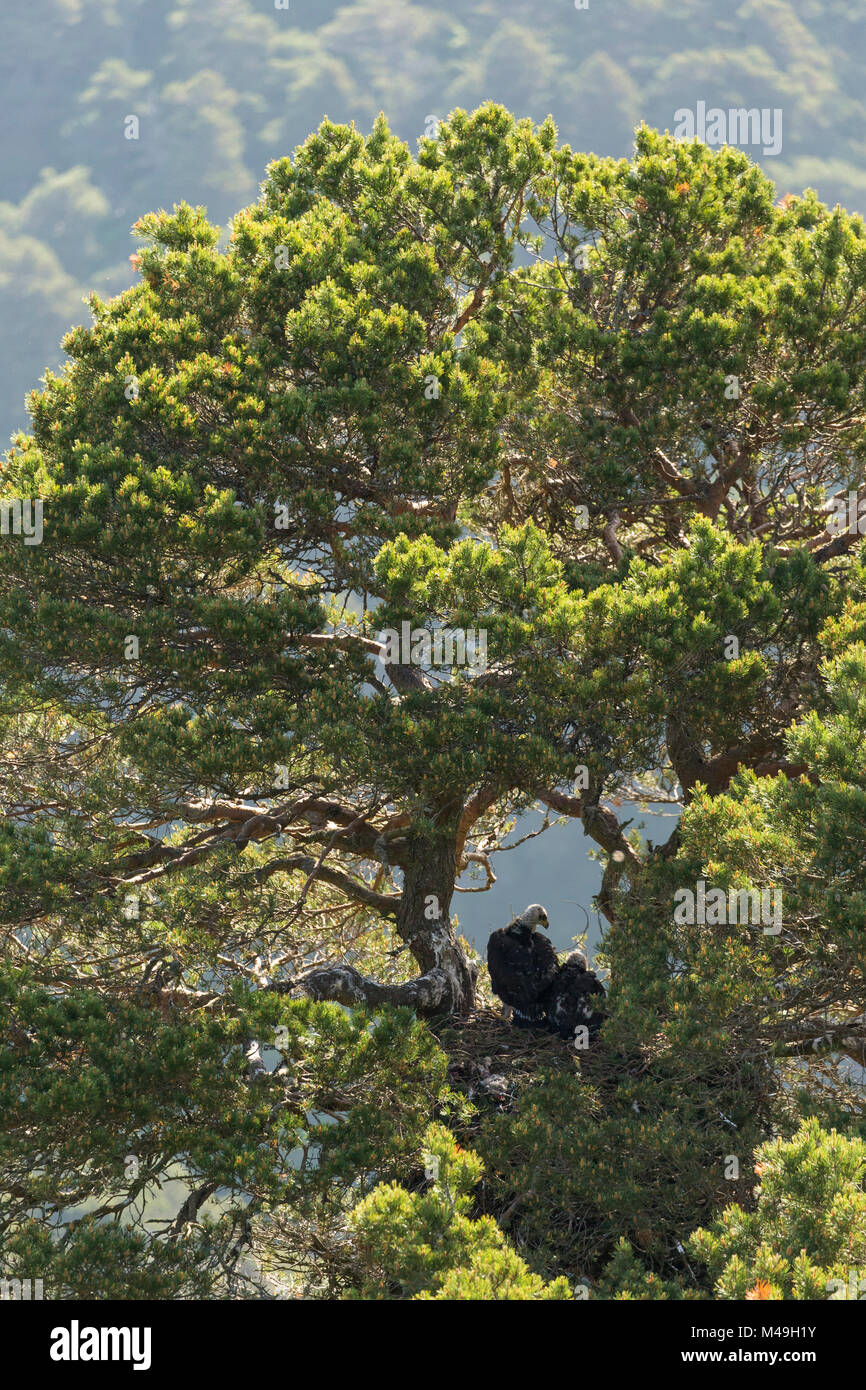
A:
<point x="584" y="414"/>
<point x="806" y="1238"/>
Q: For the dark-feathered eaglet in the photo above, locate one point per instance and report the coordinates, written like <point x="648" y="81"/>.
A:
<point x="522" y="965"/>
<point x="573" y="997"/>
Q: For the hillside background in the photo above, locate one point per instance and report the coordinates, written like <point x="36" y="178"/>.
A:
<point x="221" y="87"/>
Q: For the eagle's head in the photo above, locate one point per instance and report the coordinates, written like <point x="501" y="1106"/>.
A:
<point x="534" y="916"/>
<point x="577" y="958"/>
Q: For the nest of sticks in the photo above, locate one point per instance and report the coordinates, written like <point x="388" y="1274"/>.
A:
<point x="489" y="1058"/>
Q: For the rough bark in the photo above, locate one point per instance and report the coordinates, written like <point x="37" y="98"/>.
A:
<point x="423" y="923"/>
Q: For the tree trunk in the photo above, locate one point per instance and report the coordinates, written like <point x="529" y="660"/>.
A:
<point x="424" y="919"/>
<point x="446" y="984"/>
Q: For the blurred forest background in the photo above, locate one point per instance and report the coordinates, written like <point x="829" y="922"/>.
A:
<point x="221" y="87"/>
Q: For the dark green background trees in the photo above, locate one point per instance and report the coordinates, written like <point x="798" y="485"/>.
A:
<point x="221" y="89"/>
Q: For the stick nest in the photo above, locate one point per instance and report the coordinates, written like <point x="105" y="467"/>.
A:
<point x="490" y="1058"/>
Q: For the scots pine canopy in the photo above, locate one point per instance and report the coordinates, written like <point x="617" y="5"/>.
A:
<point x="587" y="413"/>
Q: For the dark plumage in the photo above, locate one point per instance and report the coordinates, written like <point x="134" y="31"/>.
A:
<point x="572" y="996"/>
<point x="522" y="965"/>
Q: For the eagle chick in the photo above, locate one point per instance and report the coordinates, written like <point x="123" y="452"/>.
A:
<point x="572" y="997"/>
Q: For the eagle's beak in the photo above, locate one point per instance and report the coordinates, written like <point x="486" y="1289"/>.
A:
<point x="545" y="923"/>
